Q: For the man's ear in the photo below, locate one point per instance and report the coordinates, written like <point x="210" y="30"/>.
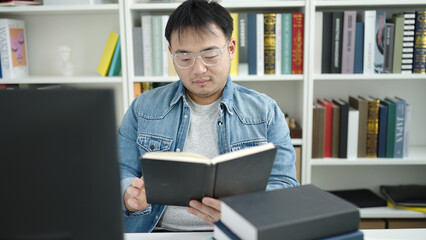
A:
<point x="170" y="49"/>
<point x="232" y="46"/>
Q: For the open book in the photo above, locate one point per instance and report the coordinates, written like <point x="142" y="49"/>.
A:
<point x="174" y="178"/>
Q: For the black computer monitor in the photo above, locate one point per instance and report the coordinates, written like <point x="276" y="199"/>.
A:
<point x="59" y="165"/>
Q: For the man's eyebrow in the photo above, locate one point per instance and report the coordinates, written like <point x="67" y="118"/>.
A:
<point x="205" y="49"/>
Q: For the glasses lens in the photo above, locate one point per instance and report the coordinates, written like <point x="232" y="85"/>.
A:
<point x="212" y="57"/>
<point x="184" y="60"/>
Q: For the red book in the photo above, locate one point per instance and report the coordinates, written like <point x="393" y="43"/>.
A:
<point x="328" y="126"/>
<point x="297" y="43"/>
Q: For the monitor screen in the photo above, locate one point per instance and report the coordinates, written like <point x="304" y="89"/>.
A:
<point x="59" y="165"/>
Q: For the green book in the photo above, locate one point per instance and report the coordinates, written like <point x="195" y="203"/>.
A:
<point x="390" y="134"/>
<point x="157" y="45"/>
<point x="286" y="43"/>
<point x="397" y="47"/>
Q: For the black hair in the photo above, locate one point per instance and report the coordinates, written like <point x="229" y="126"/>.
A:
<point x="199" y="14"/>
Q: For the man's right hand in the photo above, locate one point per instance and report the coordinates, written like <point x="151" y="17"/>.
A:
<point x="135" y="197"/>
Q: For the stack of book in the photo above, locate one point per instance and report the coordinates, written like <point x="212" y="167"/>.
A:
<point x="361" y="127"/>
<point x="304" y="212"/>
<point x="110" y="64"/>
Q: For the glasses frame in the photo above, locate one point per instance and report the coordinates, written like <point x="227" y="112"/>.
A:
<point x="199" y="56"/>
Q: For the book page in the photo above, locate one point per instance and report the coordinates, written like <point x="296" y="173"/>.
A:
<point x="242" y="152"/>
<point x="178" y="156"/>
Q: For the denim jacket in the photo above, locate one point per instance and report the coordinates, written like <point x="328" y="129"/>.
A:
<point x="158" y="120"/>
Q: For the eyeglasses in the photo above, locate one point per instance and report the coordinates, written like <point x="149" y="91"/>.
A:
<point x="208" y="58"/>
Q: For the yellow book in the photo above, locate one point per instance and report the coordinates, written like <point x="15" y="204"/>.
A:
<point x="418" y="209"/>
<point x="137" y="89"/>
<point x="105" y="62"/>
<point x="172" y="70"/>
<point x="235" y="61"/>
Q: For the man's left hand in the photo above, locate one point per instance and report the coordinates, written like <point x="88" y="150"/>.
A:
<point x="208" y="209"/>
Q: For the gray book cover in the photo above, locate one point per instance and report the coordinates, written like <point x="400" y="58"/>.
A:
<point x="379" y="41"/>
<point x="389" y="47"/>
<point x="348" y="47"/>
<point x="137" y="51"/>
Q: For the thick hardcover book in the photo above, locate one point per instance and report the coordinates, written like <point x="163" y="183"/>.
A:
<point x="411" y="195"/>
<point x="343" y="127"/>
<point x="348" y="46"/>
<point x="326" y="42"/>
<point x="297" y="43"/>
<point x="353" y="121"/>
<point x="222" y="232"/>
<point x="336" y="42"/>
<point x="303" y="212"/>
<point x="419" y="59"/>
<point x="362" y="106"/>
<point x="390" y="133"/>
<point x="369" y="40"/>
<point x="252" y="43"/>
<point x="108" y="53"/>
<point x="328" y="130"/>
<point x="137" y="51"/>
<point x="242" y="44"/>
<point x="174" y="178"/>
<point x="336" y="130"/>
<point x="357" y="235"/>
<point x="397" y="45"/>
<point x="269" y="43"/>
<point x="287" y="20"/>
<point x="115" y="67"/>
<point x="359" y="48"/>
<point x="383" y="126"/>
<point x="379" y="41"/>
<point x="318" y="131"/>
<point x="389" y="47"/>
<point x="362" y="198"/>
<point x="372" y="126"/>
<point x="235" y="62"/>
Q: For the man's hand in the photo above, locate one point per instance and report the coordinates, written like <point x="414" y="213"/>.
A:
<point x="135" y="197"/>
<point x="208" y="209"/>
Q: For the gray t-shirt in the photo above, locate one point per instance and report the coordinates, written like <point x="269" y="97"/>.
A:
<point x="201" y="139"/>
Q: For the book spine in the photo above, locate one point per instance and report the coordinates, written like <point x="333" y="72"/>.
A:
<point x="399" y="129"/>
<point x="372" y="127"/>
<point x="388" y="47"/>
<point x="115" y="68"/>
<point x="137" y="89"/>
<point x="235" y="61"/>
<point x="278" y="43"/>
<point x="157" y="45"/>
<point x="318" y="41"/>
<point x="286" y="42"/>
<point x="419" y="59"/>
<point x="408" y="42"/>
<point x="381" y="137"/>
<point x="260" y="44"/>
<point x="165" y="46"/>
<point x="359" y="48"/>
<point x="348" y="47"/>
<point x="390" y="133"/>
<point x="326" y="42"/>
<point x="107" y="55"/>
<point x="297" y="43"/>
<point x="336" y="42"/>
<point x="407" y="129"/>
<point x="5" y="47"/>
<point x="335" y="141"/>
<point x="318" y="131"/>
<point x="243" y="43"/>
<point x="328" y="127"/>
<point x="252" y="43"/>
<point x="269" y="43"/>
<point x="353" y="119"/>
<point x="397" y="47"/>
<point x="137" y="51"/>
<point x="343" y="131"/>
<point x="147" y="45"/>
<point x="369" y="40"/>
<point x="379" y="43"/>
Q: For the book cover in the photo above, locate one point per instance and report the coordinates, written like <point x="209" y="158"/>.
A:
<point x="327" y="21"/>
<point x="336" y="42"/>
<point x="408" y="42"/>
<point x="362" y="106"/>
<point x="318" y="41"/>
<point x="137" y="51"/>
<point x="285" y="212"/>
<point x="235" y="61"/>
<point x="222" y="232"/>
<point x="318" y="127"/>
<point x="108" y="53"/>
<point x="287" y="20"/>
<point x="336" y="130"/>
<point x="410" y="195"/>
<point x="343" y="127"/>
<point x="407" y="129"/>
<point x="259" y="44"/>
<point x="357" y="235"/>
<point x="252" y="43"/>
<point x="397" y="46"/>
<point x="369" y="41"/>
<point x="388" y="47"/>
<point x="399" y="127"/>
<point x="353" y="124"/>
<point x="278" y="43"/>
<point x="115" y="67"/>
<point x="383" y="126"/>
<point x="157" y="45"/>
<point x="372" y="126"/>
<point x="243" y="43"/>
<point x="192" y="176"/>
<point x="390" y="133"/>
<point x="328" y="127"/>
<point x="13" y="49"/>
<point x="297" y="43"/>
<point x="419" y="58"/>
<point x="147" y="45"/>
<point x="359" y="48"/>
<point x="379" y="41"/>
<point x="363" y="198"/>
<point x="269" y="43"/>
<point x="348" y="45"/>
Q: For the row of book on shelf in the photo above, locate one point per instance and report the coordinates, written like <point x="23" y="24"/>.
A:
<point x="267" y="43"/>
<point x="110" y="63"/>
<point x="361" y="127"/>
<point x="370" y="41"/>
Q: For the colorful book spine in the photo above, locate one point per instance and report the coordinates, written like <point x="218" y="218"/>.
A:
<point x="107" y="55"/>
<point x="252" y="44"/>
<point x="269" y="43"/>
<point x="359" y="48"/>
<point x="318" y="126"/>
<point x="235" y="60"/>
<point x="419" y="58"/>
<point x="297" y="43"/>
<point x="390" y="133"/>
<point x="243" y="43"/>
<point x="407" y="129"/>
<point x="408" y="42"/>
<point x="286" y="43"/>
<point x="336" y="42"/>
<point x="369" y="41"/>
<point x="328" y="127"/>
<point x="383" y="124"/>
<point x="397" y="45"/>
<point x="388" y="47"/>
<point x="379" y="41"/>
<point x="372" y="127"/>
<point x="399" y="127"/>
<point x="348" y="45"/>
<point x="115" y="67"/>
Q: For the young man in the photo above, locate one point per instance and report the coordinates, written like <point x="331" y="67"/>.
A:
<point x="204" y="112"/>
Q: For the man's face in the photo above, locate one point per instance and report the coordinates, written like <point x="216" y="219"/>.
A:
<point x="203" y="83"/>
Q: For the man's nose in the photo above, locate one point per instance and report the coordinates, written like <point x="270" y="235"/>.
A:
<point x="199" y="66"/>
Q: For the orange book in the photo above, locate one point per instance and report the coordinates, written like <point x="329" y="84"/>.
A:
<point x="328" y="127"/>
